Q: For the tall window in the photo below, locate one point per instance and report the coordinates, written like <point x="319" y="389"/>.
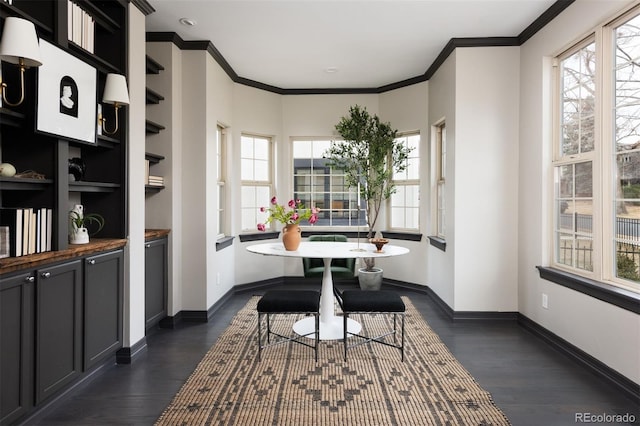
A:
<point x="441" y="162"/>
<point x="404" y="202"/>
<point x="256" y="175"/>
<point x="318" y="185"/>
<point x="597" y="155"/>
<point x="221" y="139"/>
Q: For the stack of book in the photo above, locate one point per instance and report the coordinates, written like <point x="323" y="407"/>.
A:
<point x="150" y="179"/>
<point x="81" y="27"/>
<point x="156" y="181"/>
<point x="25" y="231"/>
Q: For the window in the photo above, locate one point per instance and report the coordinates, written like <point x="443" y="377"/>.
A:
<point x="441" y="162"/>
<point x="256" y="176"/>
<point x="317" y="185"/>
<point x="404" y="203"/>
<point x="221" y="141"/>
<point x="597" y="155"/>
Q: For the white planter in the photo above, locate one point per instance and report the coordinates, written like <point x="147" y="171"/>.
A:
<point x="79" y="236"/>
<point x="370" y="280"/>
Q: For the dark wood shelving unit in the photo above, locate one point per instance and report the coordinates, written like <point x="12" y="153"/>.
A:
<point x="153" y="67"/>
<point x="24" y="184"/>
<point x="152" y="127"/>
<point x="153" y="98"/>
<point x="11" y="118"/>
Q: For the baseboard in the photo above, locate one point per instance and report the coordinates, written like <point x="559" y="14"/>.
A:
<point x="446" y="309"/>
<point x="627" y="386"/>
<point x="126" y="355"/>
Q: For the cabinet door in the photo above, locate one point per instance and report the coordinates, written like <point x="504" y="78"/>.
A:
<point x="155" y="289"/>
<point x="16" y="346"/>
<point x="58" y="327"/>
<point x="103" y="278"/>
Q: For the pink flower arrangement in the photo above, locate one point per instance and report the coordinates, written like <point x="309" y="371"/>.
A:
<point x="293" y="213"/>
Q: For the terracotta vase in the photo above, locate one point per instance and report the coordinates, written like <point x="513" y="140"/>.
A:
<point x="291" y="236"/>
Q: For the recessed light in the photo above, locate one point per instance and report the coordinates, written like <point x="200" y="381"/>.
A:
<point x="331" y="70"/>
<point x="188" y="22"/>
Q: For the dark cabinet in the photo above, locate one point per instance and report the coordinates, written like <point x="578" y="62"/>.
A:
<point x="16" y="346"/>
<point x="103" y="297"/>
<point x="57" y="321"/>
<point x="58" y="327"/>
<point x="155" y="281"/>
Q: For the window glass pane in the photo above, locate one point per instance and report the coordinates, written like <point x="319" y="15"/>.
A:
<point x="412" y="218"/>
<point x="246" y="147"/>
<point x="578" y="101"/>
<point x="261" y="149"/>
<point x="248" y="196"/>
<point x="413" y="195"/>
<point x="319" y="147"/>
<point x="574" y="215"/>
<point x="261" y="170"/>
<point x="301" y="149"/>
<point x="246" y="169"/>
<point x="626" y="232"/>
<point x="397" y="217"/>
<point x="317" y="185"/>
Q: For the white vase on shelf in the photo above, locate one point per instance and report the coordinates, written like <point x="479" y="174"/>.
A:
<point x="77" y="235"/>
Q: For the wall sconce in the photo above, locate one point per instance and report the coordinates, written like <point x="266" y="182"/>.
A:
<point x="116" y="94"/>
<point x="19" y="45"/>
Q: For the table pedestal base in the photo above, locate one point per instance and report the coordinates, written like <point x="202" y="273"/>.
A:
<point x="329" y="330"/>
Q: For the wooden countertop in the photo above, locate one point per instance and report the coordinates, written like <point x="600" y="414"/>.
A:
<point x="152" y="234"/>
<point x="96" y="245"/>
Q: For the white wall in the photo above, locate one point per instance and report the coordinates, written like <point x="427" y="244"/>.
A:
<point x="407" y="110"/>
<point x="134" y="321"/>
<point x="604" y="331"/>
<point x="193" y="172"/>
<point x="442" y="96"/>
<point x="486" y="179"/>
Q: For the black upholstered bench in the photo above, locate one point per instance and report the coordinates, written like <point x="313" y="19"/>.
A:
<point x="288" y="302"/>
<point x="373" y="302"/>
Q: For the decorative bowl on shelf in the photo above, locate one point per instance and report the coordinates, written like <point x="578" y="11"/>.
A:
<point x="378" y="242"/>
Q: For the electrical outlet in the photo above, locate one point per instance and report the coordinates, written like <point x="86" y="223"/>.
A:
<point x="545" y="301"/>
<point x="218" y="278"/>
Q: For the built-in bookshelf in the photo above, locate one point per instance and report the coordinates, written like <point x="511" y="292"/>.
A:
<point x="153" y="182"/>
<point x="41" y="159"/>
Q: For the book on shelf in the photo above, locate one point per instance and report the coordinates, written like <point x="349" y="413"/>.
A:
<point x="28" y="230"/>
<point x="12" y="219"/>
<point x="155" y="181"/>
<point x="80" y="26"/>
<point x="5" y="247"/>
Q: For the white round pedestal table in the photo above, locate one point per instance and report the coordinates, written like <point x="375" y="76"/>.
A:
<point x="331" y="326"/>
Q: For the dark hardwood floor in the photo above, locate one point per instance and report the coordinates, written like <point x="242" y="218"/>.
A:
<point x="530" y="381"/>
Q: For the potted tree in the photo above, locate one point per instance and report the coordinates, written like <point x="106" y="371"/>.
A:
<point x="369" y="156"/>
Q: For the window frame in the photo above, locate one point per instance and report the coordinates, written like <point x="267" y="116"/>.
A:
<point x="331" y="173"/>
<point x="602" y="157"/>
<point x="398" y="183"/>
<point x="439" y="132"/>
<point x="222" y="217"/>
<point x="267" y="183"/>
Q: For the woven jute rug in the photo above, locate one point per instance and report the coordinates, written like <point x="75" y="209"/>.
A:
<point x="372" y="388"/>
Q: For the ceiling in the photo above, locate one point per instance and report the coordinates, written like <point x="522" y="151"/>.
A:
<point x="318" y="44"/>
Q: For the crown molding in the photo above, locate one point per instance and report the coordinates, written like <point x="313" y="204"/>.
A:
<point x="546" y="17"/>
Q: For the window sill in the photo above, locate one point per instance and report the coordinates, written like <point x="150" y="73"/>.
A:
<point x="224" y="242"/>
<point x="616" y="296"/>
<point x="259" y="236"/>
<point x="438" y="242"/>
<point x="404" y="236"/>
